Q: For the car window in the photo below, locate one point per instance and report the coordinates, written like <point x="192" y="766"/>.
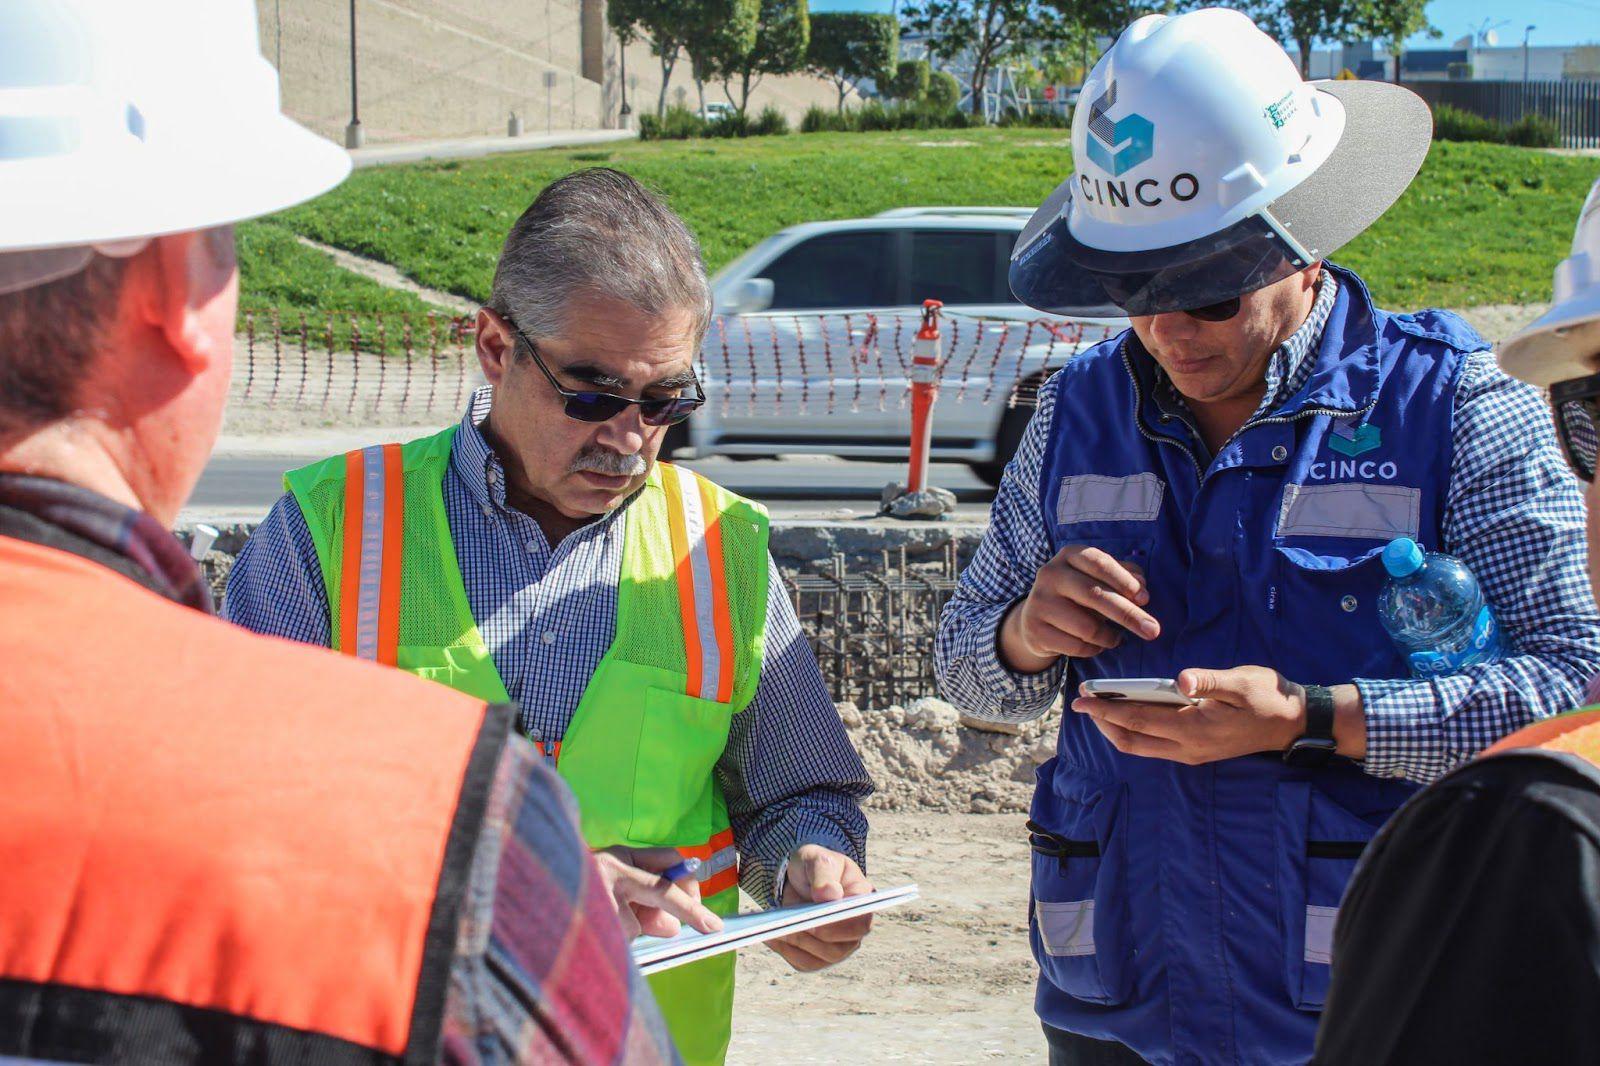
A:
<point x="853" y="269"/>
<point x="956" y="266"/>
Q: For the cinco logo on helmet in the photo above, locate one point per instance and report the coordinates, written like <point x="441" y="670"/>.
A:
<point x="1118" y="146"/>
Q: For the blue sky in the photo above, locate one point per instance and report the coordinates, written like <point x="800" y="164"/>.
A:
<point x="1558" y="21"/>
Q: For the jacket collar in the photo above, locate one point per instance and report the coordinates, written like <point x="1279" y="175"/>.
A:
<point x="1348" y="372"/>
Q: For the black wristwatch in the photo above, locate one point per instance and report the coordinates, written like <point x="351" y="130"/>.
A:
<point x="1316" y="745"/>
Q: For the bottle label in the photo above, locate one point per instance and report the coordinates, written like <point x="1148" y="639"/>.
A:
<point x="1483" y="647"/>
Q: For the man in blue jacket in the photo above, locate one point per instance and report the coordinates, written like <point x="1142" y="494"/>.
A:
<point x="1205" y="498"/>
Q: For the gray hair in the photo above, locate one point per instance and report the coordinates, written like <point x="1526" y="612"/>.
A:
<point x="598" y="232"/>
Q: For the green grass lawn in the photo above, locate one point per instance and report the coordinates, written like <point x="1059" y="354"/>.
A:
<point x="1482" y="224"/>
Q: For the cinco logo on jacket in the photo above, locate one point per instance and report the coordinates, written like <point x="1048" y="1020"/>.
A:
<point x="1352" y="441"/>
<point x="1349" y="439"/>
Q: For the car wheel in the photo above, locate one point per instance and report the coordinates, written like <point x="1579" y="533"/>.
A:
<point x="1006" y="441"/>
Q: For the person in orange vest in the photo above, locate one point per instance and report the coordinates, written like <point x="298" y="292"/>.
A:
<point x="1470" y="932"/>
<point x="218" y="847"/>
<point x="537" y="550"/>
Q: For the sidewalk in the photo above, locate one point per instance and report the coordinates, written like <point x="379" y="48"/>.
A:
<point x="475" y="147"/>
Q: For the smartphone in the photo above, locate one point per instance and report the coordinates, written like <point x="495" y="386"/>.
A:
<point x="1138" y="689"/>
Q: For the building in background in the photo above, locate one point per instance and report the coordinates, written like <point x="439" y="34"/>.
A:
<point x="462" y="68"/>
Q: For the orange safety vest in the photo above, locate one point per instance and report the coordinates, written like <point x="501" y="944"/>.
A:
<point x="206" y="856"/>
<point x="1576" y="733"/>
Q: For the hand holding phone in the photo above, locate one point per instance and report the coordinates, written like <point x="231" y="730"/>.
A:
<point x="1161" y="690"/>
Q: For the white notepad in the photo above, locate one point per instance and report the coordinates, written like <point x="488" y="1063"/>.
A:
<point x="653" y="953"/>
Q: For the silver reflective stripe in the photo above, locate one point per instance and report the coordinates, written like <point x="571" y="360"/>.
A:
<point x="694" y="527"/>
<point x="1066" y="928"/>
<point x="1374" y="512"/>
<point x="1097" y="498"/>
<point x="720" y="860"/>
<point x="371" y="571"/>
<point x="1319" y="933"/>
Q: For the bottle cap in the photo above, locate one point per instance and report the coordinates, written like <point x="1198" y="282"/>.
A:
<point x="1402" y="557"/>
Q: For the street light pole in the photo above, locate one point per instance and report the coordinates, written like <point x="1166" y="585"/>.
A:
<point x="354" y="135"/>
<point x="622" y="52"/>
<point x="1525" y="33"/>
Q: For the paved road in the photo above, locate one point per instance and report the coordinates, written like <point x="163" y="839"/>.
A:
<point x="242" y="487"/>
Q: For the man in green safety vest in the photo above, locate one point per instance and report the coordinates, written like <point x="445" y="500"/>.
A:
<point x="537" y="551"/>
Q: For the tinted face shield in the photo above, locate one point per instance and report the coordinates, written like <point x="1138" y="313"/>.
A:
<point x="1059" y="275"/>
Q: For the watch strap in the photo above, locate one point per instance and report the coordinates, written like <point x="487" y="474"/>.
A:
<point x="1319" y="713"/>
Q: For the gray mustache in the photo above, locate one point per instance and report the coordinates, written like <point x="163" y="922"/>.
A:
<point x="610" y="463"/>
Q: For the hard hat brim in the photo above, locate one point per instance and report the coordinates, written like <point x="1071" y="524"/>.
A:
<point x="1562" y="343"/>
<point x="58" y="202"/>
<point x="1388" y="130"/>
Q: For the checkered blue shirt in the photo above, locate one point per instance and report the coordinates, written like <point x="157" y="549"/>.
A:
<point x="548" y="613"/>
<point x="1513" y="513"/>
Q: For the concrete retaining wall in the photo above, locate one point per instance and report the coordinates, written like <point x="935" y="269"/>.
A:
<point x="799" y="546"/>
<point x="459" y="68"/>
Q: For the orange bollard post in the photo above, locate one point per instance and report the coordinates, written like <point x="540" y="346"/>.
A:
<point x="924" y="390"/>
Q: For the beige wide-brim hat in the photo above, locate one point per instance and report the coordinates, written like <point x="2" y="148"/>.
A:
<point x="1564" y="342"/>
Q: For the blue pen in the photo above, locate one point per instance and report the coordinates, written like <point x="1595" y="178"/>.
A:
<point x="679" y="871"/>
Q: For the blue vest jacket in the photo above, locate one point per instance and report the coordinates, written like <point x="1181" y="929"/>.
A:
<point x="1187" y="912"/>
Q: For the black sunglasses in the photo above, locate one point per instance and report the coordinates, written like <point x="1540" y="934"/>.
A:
<point x="1220" y="311"/>
<point x="603" y="406"/>
<point x="1576" y="402"/>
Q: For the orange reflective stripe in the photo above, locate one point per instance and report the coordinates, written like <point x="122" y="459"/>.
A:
<point x="394" y="510"/>
<point x="722" y="618"/>
<point x="677" y="526"/>
<point x="719" y="863"/>
<point x="720" y="882"/>
<point x="350" y="565"/>
<point x="374" y="531"/>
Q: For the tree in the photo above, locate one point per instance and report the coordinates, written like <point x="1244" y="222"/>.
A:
<point x="944" y="91"/>
<point x="659" y="20"/>
<point x="1302" y="23"/>
<point x="1391" y="22"/>
<point x="716" y="28"/>
<point x="848" y="47"/>
<point x="783" y="32"/>
<point x="911" y="80"/>
<point x="984" y="32"/>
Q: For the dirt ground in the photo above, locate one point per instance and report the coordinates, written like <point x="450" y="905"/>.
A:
<point x="946" y="978"/>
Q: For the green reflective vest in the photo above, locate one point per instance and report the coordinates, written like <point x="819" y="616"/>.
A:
<point x="642" y="747"/>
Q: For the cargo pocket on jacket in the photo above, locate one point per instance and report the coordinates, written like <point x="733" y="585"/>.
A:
<point x="680" y="740"/>
<point x="1077" y="910"/>
<point x="1319" y="843"/>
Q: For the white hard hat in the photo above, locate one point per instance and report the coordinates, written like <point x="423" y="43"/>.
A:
<point x="122" y="120"/>
<point x="1206" y="168"/>
<point x="1564" y="342"/>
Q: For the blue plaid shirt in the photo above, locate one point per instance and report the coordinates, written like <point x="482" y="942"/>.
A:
<point x="1513" y="513"/>
<point x="549" y="612"/>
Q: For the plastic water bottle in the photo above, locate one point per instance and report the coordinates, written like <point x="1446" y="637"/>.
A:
<point x="1434" y="610"/>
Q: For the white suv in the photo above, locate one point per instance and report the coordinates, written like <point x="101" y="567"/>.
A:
<point x="814" y="329"/>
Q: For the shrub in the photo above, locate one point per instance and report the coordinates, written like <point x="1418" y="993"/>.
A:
<point x="1534" y="131"/>
<point x="771" y="122"/>
<point x="872" y="116"/>
<point x="824" y="120"/>
<point x="732" y="124"/>
<point x="678" y="124"/>
<point x="911" y="80"/>
<point x="1454" y="124"/>
<point x="944" y="92"/>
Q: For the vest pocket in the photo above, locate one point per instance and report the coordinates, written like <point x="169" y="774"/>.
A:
<point x="1077" y="909"/>
<point x="680" y="739"/>
<point x="1319" y="843"/>
<point x="461" y="668"/>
